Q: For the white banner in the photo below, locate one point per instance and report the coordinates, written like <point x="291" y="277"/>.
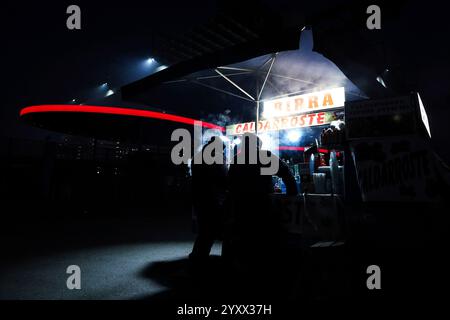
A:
<point x="311" y="102"/>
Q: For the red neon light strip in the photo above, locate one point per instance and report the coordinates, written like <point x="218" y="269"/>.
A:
<point x="289" y="148"/>
<point x="117" y="111"/>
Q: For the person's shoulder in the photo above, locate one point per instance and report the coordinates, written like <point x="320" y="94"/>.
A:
<point x="268" y="153"/>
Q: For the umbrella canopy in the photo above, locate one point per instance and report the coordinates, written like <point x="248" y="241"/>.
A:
<point x="218" y="94"/>
<point x="231" y="93"/>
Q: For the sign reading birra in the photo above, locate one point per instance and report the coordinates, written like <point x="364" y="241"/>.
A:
<point x="306" y="103"/>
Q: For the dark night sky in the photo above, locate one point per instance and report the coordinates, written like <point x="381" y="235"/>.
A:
<point x="43" y="62"/>
<point x="47" y="63"/>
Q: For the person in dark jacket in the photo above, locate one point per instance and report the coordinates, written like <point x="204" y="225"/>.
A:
<point x="257" y="232"/>
<point x="209" y="192"/>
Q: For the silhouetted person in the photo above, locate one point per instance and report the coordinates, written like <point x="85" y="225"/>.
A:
<point x="209" y="192"/>
<point x="256" y="235"/>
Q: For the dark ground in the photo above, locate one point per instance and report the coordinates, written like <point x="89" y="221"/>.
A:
<point x="114" y="255"/>
<point x="138" y="257"/>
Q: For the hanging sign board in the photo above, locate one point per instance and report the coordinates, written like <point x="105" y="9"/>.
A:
<point x="387" y="117"/>
<point x="283" y="123"/>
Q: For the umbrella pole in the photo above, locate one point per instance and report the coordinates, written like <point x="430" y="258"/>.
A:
<point x="259" y="90"/>
<point x="257" y="117"/>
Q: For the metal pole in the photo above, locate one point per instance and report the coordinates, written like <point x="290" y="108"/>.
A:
<point x="267" y="77"/>
<point x="259" y="90"/>
<point x="257" y="117"/>
<point x="234" y="84"/>
<point x="257" y="105"/>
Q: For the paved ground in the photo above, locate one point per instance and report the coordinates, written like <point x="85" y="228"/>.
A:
<point x="144" y="257"/>
<point x="108" y="272"/>
<point x="114" y="257"/>
<point x="136" y="258"/>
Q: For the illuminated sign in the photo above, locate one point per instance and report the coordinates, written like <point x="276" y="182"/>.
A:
<point x="311" y="102"/>
<point x="283" y="123"/>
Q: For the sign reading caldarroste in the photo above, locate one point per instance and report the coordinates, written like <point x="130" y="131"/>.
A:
<point x="284" y="123"/>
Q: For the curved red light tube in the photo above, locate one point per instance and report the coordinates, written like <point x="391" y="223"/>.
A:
<point x="281" y="148"/>
<point x="289" y="148"/>
<point x="117" y="111"/>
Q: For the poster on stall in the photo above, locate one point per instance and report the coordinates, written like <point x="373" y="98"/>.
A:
<point x="316" y="217"/>
<point x="290" y="210"/>
<point x="321" y="217"/>
<point x="400" y="169"/>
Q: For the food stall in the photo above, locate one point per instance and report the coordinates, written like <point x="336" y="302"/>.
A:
<point x="296" y="101"/>
<point x="306" y="131"/>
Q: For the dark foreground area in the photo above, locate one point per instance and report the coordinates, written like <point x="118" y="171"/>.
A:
<point x="144" y="257"/>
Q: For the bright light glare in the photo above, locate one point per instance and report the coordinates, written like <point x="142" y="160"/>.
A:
<point x="109" y="93"/>
<point x="294" y="136"/>
<point x="424" y="115"/>
<point x="162" y="67"/>
<point x="150" y="60"/>
<point x="237" y="141"/>
<point x="267" y="114"/>
<point x="381" y="81"/>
